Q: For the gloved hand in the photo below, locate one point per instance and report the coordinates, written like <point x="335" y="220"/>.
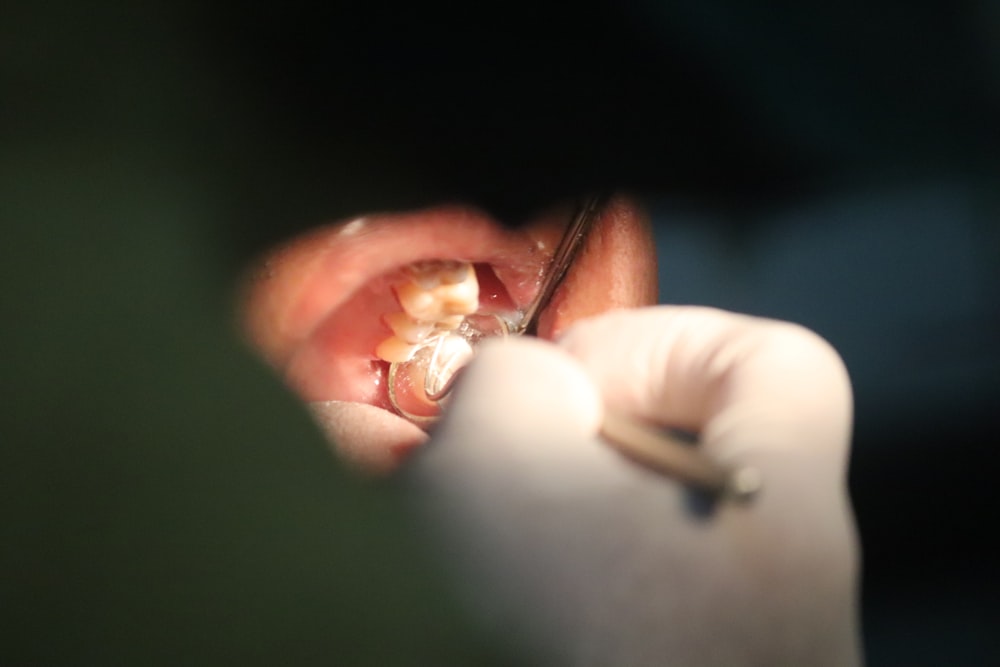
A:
<point x="584" y="557"/>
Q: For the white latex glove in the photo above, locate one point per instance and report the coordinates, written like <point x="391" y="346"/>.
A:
<point x="583" y="557"/>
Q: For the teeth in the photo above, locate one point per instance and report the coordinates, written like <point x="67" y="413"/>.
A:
<point x="435" y="299"/>
<point x="409" y="330"/>
<point x="456" y="292"/>
<point x="431" y="273"/>
<point x="393" y="350"/>
<point x="449" y="323"/>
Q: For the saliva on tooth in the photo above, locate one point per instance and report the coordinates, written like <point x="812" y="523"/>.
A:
<point x="434" y="336"/>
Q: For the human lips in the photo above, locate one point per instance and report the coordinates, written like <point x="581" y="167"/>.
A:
<point x="314" y="308"/>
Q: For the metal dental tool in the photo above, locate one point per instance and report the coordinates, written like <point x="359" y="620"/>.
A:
<point x="657" y="449"/>
<point x="579" y="226"/>
<point x="645" y="444"/>
<point x="572" y="239"/>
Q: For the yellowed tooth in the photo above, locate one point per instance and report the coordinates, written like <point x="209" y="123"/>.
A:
<point x="460" y="298"/>
<point x="449" y="323"/>
<point x="418" y="303"/>
<point x="408" y="329"/>
<point x="442" y="301"/>
<point x="454" y="273"/>
<point x="431" y="273"/>
<point x="392" y="349"/>
<point x="435" y="298"/>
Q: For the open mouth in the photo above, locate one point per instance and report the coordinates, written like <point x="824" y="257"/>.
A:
<point x="317" y="308"/>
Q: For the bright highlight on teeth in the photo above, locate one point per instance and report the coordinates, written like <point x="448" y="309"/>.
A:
<point x="439" y="290"/>
<point x="434" y="335"/>
<point x="435" y="297"/>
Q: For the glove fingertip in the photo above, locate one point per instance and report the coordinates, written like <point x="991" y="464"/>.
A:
<point x="540" y="384"/>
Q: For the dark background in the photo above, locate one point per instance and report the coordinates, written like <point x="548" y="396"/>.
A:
<point x="834" y="164"/>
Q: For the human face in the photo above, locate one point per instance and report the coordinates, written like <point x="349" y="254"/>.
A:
<point x="314" y="307"/>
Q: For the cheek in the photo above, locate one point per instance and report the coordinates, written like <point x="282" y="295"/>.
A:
<point x="616" y="269"/>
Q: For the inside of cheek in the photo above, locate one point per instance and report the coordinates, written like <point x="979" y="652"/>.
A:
<point x="493" y="296"/>
<point x="339" y="362"/>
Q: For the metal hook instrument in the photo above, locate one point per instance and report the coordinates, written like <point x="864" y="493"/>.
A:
<point x="646" y="444"/>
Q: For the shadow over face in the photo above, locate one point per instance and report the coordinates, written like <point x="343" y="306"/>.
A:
<point x="509" y="109"/>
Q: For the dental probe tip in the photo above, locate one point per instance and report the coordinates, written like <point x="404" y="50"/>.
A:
<point x="661" y="452"/>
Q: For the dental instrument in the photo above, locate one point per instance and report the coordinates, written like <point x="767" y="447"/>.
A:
<point x="646" y="444"/>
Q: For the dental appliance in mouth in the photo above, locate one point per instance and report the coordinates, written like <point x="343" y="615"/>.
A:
<point x="439" y="327"/>
<point x="437" y="332"/>
<point x="435" y="335"/>
<point x="426" y="355"/>
<point x="342" y="308"/>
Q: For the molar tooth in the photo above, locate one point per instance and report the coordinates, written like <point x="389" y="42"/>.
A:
<point x="456" y="272"/>
<point x="407" y="329"/>
<point x="431" y="273"/>
<point x="392" y="349"/>
<point x="461" y="298"/>
<point x="418" y="303"/>
<point x="444" y="300"/>
<point x="449" y="323"/>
